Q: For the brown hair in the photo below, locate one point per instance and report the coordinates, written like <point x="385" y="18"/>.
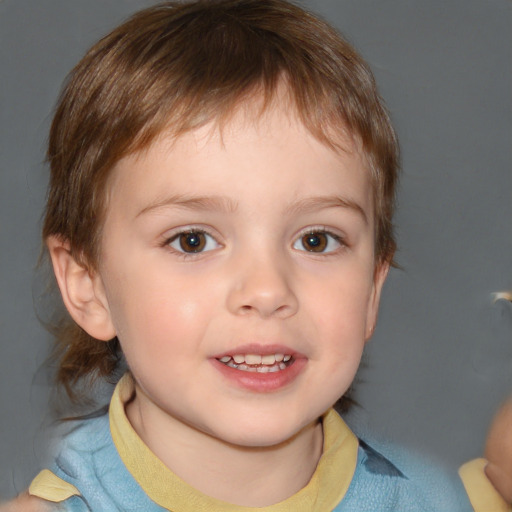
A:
<point x="175" y="67"/>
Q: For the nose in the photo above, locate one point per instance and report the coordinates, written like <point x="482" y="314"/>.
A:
<point x="262" y="286"/>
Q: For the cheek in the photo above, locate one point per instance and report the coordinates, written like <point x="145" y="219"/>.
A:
<point x="340" y="312"/>
<point x="342" y="303"/>
<point x="158" y="319"/>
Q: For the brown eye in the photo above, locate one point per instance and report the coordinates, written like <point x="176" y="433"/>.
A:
<point x="192" y="242"/>
<point x="321" y="242"/>
<point x="315" y="242"/>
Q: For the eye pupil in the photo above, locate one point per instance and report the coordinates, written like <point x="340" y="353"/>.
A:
<point x="192" y="242"/>
<point x="314" y="242"/>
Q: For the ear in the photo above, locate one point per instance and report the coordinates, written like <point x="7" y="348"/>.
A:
<point x="381" y="272"/>
<point x="82" y="291"/>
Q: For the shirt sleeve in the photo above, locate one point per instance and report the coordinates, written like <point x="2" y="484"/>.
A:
<point x="482" y="494"/>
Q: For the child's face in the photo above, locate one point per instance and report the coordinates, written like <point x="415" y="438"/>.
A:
<point x="284" y="265"/>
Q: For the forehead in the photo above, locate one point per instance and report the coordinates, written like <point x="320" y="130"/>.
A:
<point x="273" y="123"/>
<point x="263" y="168"/>
<point x="259" y="106"/>
<point x="258" y="146"/>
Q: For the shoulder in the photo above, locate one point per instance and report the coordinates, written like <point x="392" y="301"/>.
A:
<point x="26" y="503"/>
<point x="377" y="463"/>
<point x="85" y="438"/>
<point x="84" y="450"/>
<point x="394" y="479"/>
<point x="89" y="474"/>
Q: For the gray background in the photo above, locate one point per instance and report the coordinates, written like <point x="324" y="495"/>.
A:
<point x="441" y="359"/>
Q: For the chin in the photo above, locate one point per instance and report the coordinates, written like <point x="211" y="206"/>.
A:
<point x="262" y="433"/>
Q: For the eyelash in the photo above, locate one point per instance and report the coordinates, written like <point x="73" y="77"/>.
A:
<point x="331" y="237"/>
<point x="175" y="237"/>
<point x="311" y="231"/>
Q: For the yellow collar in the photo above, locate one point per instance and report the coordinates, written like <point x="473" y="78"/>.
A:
<point x="325" y="490"/>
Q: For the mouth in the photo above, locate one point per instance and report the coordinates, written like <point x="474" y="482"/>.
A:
<point x="261" y="368"/>
<point x="256" y="363"/>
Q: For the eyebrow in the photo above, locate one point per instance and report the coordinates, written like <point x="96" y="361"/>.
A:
<point x="206" y="203"/>
<point x="313" y="204"/>
<point x="226" y="205"/>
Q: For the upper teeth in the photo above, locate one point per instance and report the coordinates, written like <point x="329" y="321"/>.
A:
<point x="268" y="359"/>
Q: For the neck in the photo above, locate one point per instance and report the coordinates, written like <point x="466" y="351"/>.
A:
<point x="241" y="475"/>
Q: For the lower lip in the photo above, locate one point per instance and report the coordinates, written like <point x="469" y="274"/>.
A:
<point x="262" y="382"/>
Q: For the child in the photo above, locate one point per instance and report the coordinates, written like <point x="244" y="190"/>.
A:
<point x="219" y="212"/>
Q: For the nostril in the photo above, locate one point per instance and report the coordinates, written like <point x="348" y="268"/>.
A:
<point x="261" y="297"/>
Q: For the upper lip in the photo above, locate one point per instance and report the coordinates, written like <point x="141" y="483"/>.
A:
<point x="259" y="349"/>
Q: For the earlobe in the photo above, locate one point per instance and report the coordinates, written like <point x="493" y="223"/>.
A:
<point x="381" y="273"/>
<point x="82" y="291"/>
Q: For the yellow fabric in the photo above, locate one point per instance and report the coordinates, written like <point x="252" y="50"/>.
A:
<point x="482" y="494"/>
<point x="325" y="490"/>
<point x="50" y="487"/>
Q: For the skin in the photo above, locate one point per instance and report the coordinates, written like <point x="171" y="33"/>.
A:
<point x="27" y="503"/>
<point x="254" y="282"/>
<point x="256" y="189"/>
<point x="498" y="451"/>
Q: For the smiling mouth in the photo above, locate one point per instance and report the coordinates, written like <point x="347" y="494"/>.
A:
<point x="257" y="363"/>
